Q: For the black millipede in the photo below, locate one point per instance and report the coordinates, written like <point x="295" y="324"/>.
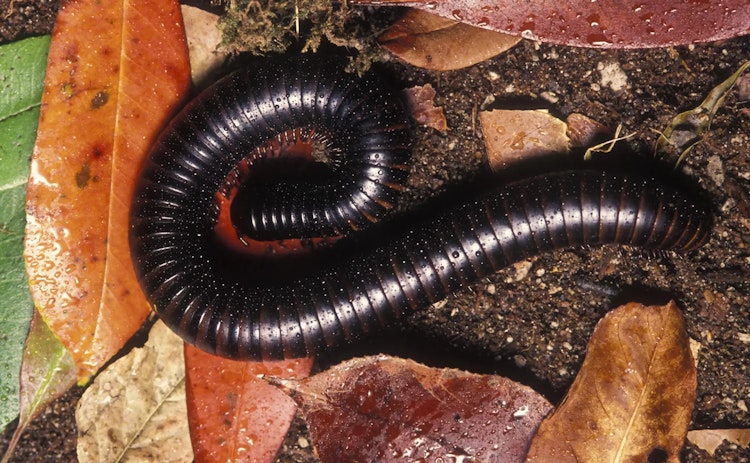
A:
<point x="223" y="310"/>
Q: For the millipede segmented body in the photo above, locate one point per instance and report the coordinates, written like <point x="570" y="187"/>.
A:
<point x="221" y="309"/>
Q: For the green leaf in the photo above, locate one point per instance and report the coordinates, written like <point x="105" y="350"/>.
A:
<point x="48" y="371"/>
<point x="22" y="67"/>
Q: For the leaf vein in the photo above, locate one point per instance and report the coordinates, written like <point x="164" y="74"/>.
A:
<point x="20" y="111"/>
<point x="14" y="184"/>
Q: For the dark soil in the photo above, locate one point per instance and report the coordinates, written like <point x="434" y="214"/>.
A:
<point x="534" y="326"/>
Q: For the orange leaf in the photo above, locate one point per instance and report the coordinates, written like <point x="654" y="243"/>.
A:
<point x="115" y="72"/>
<point x="633" y="397"/>
<point x="234" y="414"/>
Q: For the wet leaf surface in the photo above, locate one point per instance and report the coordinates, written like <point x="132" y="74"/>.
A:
<point x="515" y="135"/>
<point x="115" y="71"/>
<point x="387" y="409"/>
<point x="633" y="396"/>
<point x="235" y="415"/>
<point x="583" y="23"/>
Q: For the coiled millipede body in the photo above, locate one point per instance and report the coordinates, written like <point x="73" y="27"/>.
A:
<point x="221" y="309"/>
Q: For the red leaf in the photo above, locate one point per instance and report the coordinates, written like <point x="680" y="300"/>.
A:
<point x="386" y="409"/>
<point x="603" y="24"/>
<point x="234" y="414"/>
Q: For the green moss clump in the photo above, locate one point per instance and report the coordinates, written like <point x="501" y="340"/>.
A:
<point x="274" y="26"/>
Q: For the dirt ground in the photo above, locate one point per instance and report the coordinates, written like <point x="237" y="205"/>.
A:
<point x="533" y="323"/>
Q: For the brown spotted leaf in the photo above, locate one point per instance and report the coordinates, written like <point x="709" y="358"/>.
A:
<point x="604" y="24"/>
<point x="432" y="42"/>
<point x="115" y="71"/>
<point x="387" y="409"/>
<point x="633" y="397"/>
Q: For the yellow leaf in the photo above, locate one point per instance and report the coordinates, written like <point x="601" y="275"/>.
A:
<point x="633" y="397"/>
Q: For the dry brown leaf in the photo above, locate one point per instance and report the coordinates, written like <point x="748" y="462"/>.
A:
<point x="633" y="397"/>
<point x="431" y="42"/>
<point x="710" y="439"/>
<point x="135" y="409"/>
<point x="384" y="409"/>
<point x="420" y="101"/>
<point x="514" y="135"/>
